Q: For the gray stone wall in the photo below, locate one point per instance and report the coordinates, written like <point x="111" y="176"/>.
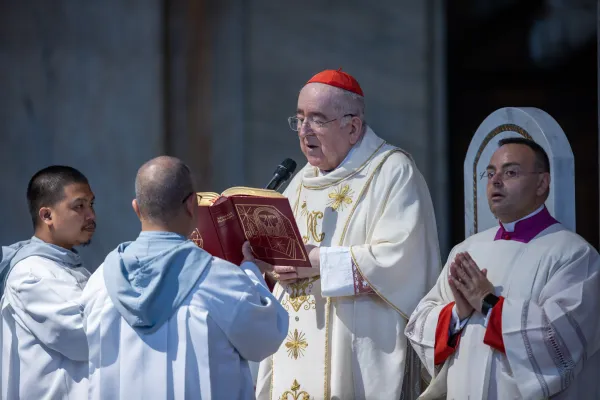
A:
<point x="81" y="85"/>
<point x="272" y="48"/>
<point x="84" y="84"/>
<point x="383" y="44"/>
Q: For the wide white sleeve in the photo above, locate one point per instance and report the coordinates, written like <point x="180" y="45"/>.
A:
<point x="336" y="271"/>
<point x="423" y="322"/>
<point x="400" y="261"/>
<point x="246" y="311"/>
<point x="49" y="307"/>
<point x="547" y="339"/>
<point x="339" y="275"/>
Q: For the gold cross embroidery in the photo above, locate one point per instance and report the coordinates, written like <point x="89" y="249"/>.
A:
<point x="340" y="197"/>
<point x="296" y="344"/>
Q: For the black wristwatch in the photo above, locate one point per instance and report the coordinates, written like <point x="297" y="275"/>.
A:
<point x="489" y="301"/>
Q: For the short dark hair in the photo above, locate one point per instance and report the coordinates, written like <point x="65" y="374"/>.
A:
<point x="47" y="187"/>
<point x="161" y="185"/>
<point x="541" y="158"/>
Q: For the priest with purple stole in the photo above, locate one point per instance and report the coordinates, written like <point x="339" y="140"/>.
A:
<point x="514" y="314"/>
<point x="365" y="214"/>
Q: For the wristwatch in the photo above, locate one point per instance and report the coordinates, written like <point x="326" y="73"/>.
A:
<point x="489" y="301"/>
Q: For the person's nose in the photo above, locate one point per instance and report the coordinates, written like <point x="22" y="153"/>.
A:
<point x="497" y="180"/>
<point x="305" y="129"/>
<point x="90" y="214"/>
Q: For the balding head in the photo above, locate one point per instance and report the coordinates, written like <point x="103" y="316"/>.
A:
<point x="161" y="187"/>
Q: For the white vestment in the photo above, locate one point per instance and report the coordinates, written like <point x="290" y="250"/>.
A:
<point x="550" y="322"/>
<point x="44" y="348"/>
<point x="373" y="220"/>
<point x="200" y="351"/>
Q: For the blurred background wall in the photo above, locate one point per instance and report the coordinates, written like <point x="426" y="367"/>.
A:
<point x="106" y="85"/>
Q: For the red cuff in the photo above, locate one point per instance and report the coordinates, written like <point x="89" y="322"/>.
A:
<point x="361" y="286"/>
<point x="443" y="349"/>
<point x="493" y="333"/>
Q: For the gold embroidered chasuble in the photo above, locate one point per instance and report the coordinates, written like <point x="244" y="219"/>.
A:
<point x="377" y="206"/>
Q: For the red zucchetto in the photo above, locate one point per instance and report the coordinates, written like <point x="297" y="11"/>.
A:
<point x="338" y="79"/>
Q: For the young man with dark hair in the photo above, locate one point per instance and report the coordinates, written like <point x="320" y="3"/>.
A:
<point x="44" y="348"/>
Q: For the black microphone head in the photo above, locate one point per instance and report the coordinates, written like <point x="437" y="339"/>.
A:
<point x="289" y="165"/>
<point x="283" y="172"/>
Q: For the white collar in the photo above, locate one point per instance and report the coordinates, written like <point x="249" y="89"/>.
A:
<point x="510" y="226"/>
<point x="324" y="173"/>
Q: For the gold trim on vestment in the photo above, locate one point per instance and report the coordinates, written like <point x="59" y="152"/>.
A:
<point x="364" y="189"/>
<point x="493" y="133"/>
<point x="295" y="211"/>
<point x="356" y="171"/>
<point x="327" y="355"/>
<point x="299" y="294"/>
<point x="272" y="377"/>
<point x="374" y="289"/>
<point x="362" y="192"/>
<point x="295" y="392"/>
<point x="327" y="377"/>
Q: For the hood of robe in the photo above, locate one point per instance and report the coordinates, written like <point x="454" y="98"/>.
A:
<point x="11" y="255"/>
<point x="148" y="279"/>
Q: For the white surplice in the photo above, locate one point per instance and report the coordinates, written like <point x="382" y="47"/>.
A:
<point x="550" y="322"/>
<point x="373" y="220"/>
<point x="200" y="352"/>
<point x="44" y="348"/>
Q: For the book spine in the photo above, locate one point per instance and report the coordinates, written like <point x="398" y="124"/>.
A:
<point x="229" y="231"/>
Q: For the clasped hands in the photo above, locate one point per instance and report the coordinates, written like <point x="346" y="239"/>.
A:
<point x="469" y="285"/>
<point x="286" y="274"/>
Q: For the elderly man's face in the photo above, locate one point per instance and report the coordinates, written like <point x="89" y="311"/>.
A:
<point x="515" y="187"/>
<point x="326" y="136"/>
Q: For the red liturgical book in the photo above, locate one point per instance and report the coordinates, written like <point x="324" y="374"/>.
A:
<point x="263" y="217"/>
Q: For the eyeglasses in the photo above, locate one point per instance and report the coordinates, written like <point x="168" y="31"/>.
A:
<point x="186" y="197"/>
<point x="507" y="174"/>
<point x="296" y="122"/>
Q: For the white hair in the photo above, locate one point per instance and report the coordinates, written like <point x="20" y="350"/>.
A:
<point x="346" y="102"/>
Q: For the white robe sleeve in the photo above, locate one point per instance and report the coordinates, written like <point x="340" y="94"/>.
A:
<point x="336" y="272"/>
<point x="246" y="311"/>
<point x="401" y="260"/>
<point x="423" y="322"/>
<point x="339" y="276"/>
<point x="549" y="338"/>
<point x="50" y="308"/>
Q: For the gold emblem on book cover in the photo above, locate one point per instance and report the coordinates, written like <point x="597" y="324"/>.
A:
<point x="340" y="197"/>
<point x="197" y="238"/>
<point x="270" y="229"/>
<point x="295" y="393"/>
<point x="312" y="221"/>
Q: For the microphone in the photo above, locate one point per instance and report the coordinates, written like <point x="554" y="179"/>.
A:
<point x="283" y="172"/>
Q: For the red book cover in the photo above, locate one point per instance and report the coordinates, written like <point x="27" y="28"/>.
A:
<point x="263" y="217"/>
